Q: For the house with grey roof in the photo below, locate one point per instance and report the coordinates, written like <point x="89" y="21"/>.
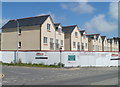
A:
<point x="112" y="44"/>
<point x="94" y="42"/>
<point x="115" y="46"/>
<point x="72" y="38"/>
<point x="41" y="33"/>
<point x="84" y="40"/>
<point x="109" y="44"/>
<point x="32" y="33"/>
<point x="59" y="36"/>
<point x="104" y="43"/>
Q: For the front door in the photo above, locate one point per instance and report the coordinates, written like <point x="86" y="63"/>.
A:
<point x="51" y="44"/>
<point x="78" y="46"/>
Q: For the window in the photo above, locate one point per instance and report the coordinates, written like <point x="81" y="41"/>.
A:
<point x="74" y="44"/>
<point x="59" y="30"/>
<point x="19" y="44"/>
<point x="78" y="43"/>
<point x="84" y="36"/>
<point x="56" y="40"/>
<point x="61" y="42"/>
<point x="51" y="40"/>
<point x="45" y="40"/>
<point x="19" y="32"/>
<point x="48" y="26"/>
<point x="76" y="34"/>
<point x="86" y="45"/>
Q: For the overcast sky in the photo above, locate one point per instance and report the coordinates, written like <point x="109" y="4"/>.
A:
<point x="94" y="17"/>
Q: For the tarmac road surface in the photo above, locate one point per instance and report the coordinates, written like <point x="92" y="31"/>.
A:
<point x="15" y="75"/>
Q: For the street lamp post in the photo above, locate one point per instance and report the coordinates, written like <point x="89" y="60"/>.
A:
<point x="16" y="60"/>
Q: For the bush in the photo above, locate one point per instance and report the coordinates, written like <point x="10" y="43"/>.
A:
<point x="61" y="64"/>
<point x="19" y="61"/>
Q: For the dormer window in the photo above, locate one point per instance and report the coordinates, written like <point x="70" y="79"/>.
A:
<point x="48" y="26"/>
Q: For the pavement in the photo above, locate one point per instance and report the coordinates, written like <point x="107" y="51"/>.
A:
<point x="15" y="75"/>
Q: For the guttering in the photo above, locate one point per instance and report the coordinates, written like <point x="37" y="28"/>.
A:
<point x="40" y="37"/>
<point x="70" y="42"/>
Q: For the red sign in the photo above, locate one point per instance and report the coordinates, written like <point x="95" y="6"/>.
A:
<point x="114" y="55"/>
<point x="61" y="49"/>
<point x="39" y="54"/>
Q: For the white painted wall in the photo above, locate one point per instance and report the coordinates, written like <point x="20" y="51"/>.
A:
<point x="83" y="59"/>
<point x="8" y="56"/>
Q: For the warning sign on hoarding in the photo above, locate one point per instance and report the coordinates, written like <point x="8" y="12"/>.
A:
<point x="71" y="58"/>
<point x="41" y="56"/>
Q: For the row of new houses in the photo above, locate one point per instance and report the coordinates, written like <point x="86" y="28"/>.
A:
<point x="41" y="33"/>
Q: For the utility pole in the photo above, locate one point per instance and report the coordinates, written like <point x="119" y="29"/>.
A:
<point x="16" y="60"/>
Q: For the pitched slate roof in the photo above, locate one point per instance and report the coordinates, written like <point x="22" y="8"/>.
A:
<point x="92" y="35"/>
<point x="69" y="29"/>
<point x="110" y="39"/>
<point x="30" y="21"/>
<point x="82" y="31"/>
<point x="57" y="24"/>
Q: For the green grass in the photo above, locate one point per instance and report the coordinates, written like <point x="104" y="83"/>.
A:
<point x="30" y="65"/>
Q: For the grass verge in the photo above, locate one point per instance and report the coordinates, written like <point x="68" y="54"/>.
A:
<point x="30" y="65"/>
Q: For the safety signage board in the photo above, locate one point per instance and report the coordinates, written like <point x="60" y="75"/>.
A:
<point x="71" y="58"/>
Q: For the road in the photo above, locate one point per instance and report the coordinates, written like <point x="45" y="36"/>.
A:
<point x="15" y="75"/>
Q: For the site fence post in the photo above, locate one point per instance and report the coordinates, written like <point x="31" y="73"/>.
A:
<point x="60" y="58"/>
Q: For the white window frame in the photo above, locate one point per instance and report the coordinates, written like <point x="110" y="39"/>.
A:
<point x="19" y="44"/>
<point x="45" y="40"/>
<point x="74" y="44"/>
<point x="61" y="42"/>
<point x="76" y="34"/>
<point x="48" y="26"/>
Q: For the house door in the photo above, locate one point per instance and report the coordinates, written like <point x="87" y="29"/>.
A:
<point x="82" y="46"/>
<point x="78" y="46"/>
<point x="51" y="44"/>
